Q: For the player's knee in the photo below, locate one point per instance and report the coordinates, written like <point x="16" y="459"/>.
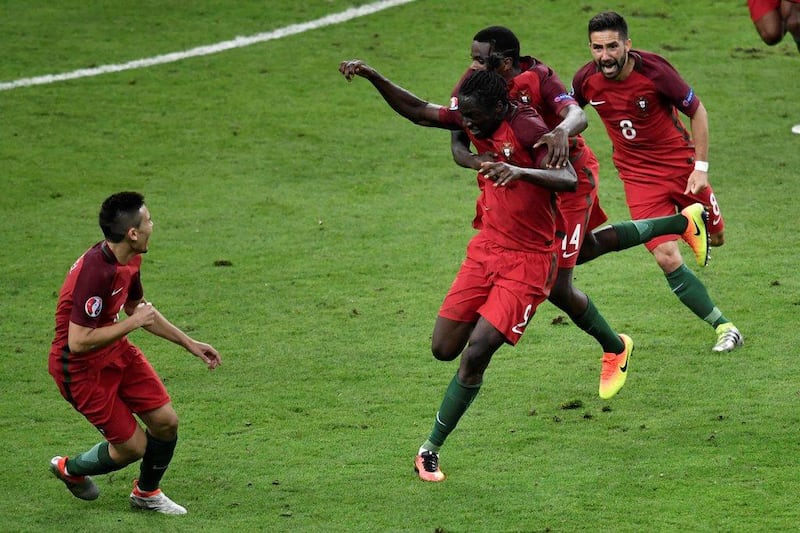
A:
<point x="771" y="36"/>
<point x="164" y="427"/>
<point x="444" y="351"/>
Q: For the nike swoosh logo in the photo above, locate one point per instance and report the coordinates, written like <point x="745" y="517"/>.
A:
<point x="115" y="292"/>
<point x="439" y="420"/>
<point x="598" y="102"/>
<point x="624" y="369"/>
<point x="716" y="221"/>
<point x="696" y="229"/>
<point x="566" y="255"/>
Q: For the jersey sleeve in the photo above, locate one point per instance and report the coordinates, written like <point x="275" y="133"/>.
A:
<point x="529" y="129"/>
<point x="90" y="294"/>
<point x="554" y="94"/>
<point x="670" y="85"/>
<point x="450" y="117"/>
<point x="577" y="85"/>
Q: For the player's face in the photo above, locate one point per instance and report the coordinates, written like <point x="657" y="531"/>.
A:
<point x="481" y="122"/>
<point x="609" y="52"/>
<point x="140" y="236"/>
<point x="480" y="55"/>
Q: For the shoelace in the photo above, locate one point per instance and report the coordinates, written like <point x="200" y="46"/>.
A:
<point x="610" y="365"/>
<point x="430" y="462"/>
<point x="730" y="336"/>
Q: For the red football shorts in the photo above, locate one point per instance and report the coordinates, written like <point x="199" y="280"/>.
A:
<point x="109" y="396"/>
<point x="503" y="286"/>
<point x="759" y="8"/>
<point x="579" y="211"/>
<point x="664" y="198"/>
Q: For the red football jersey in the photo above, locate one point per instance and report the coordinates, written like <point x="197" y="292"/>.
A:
<point x="640" y="114"/>
<point x="520" y="215"/>
<point x="93" y="294"/>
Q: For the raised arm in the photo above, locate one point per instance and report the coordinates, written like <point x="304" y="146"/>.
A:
<point x="402" y="101"/>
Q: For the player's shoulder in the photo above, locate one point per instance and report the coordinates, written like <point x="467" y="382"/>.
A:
<point x="526" y="124"/>
<point x="651" y="63"/>
<point x="586" y="71"/>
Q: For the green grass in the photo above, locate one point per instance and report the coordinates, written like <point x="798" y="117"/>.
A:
<point x="344" y="226"/>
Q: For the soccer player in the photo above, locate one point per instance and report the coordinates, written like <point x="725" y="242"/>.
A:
<point x="637" y="95"/>
<point x="775" y="18"/>
<point x="510" y="262"/>
<point x="532" y="83"/>
<point x="102" y="374"/>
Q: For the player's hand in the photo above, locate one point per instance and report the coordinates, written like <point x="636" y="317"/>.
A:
<point x="355" y="67"/>
<point x="500" y="173"/>
<point x="480" y="159"/>
<point x="207" y="353"/>
<point x="698" y="181"/>
<point x="144" y="314"/>
<point x="557" y="142"/>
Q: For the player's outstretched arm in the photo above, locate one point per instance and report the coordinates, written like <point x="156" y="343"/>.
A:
<point x="557" y="179"/>
<point x="405" y="103"/>
<point x="165" y="329"/>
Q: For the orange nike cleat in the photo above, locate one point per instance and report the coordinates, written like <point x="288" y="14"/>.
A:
<point x="80" y="486"/>
<point x="696" y="234"/>
<point x="426" y="465"/>
<point x="615" y="369"/>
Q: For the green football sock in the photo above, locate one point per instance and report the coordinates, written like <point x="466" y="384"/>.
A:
<point x="634" y="232"/>
<point x="593" y="323"/>
<point x="93" y="462"/>
<point x="456" y="401"/>
<point x="691" y="291"/>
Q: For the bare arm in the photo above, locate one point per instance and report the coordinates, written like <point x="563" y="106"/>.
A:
<point x="557" y="179"/>
<point x="459" y="146"/>
<point x="83" y="339"/>
<point x="140" y="314"/>
<point x="573" y="121"/>
<point x="402" y="101"/>
<point x="698" y="180"/>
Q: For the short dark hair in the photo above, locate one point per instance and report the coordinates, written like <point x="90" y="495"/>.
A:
<point x="503" y="44"/>
<point x="119" y="213"/>
<point x="609" y="21"/>
<point x="487" y="87"/>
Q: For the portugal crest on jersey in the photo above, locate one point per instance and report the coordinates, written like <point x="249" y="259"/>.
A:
<point x="642" y="106"/>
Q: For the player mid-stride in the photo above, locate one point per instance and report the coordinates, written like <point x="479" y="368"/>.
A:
<point x="105" y="377"/>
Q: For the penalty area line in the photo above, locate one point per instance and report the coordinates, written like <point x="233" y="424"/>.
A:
<point x="238" y="42"/>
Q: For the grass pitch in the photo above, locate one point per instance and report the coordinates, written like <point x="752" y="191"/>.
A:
<point x="310" y="235"/>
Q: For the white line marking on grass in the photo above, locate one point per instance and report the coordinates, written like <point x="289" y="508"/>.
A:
<point x="238" y="42"/>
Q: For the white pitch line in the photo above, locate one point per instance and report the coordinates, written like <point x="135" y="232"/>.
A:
<point x="238" y="42"/>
